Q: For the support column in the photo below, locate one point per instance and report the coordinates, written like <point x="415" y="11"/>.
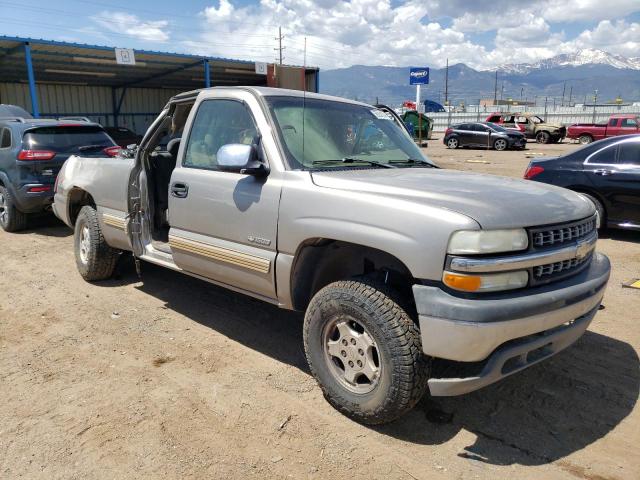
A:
<point x="114" y="107"/>
<point x="318" y="81"/>
<point x="35" y="111"/>
<point x="207" y="73"/>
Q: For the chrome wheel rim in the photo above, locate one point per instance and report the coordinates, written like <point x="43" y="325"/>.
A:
<point x="85" y="244"/>
<point x="4" y="211"/>
<point x="500" y="145"/>
<point x="352" y="355"/>
<point x="452" y="143"/>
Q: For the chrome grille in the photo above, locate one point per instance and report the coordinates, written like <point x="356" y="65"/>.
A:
<point x="554" y="236"/>
<point x="542" y="271"/>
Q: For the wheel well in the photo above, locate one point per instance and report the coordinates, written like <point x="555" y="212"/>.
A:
<point x="585" y="134"/>
<point x="320" y="261"/>
<point x="78" y="198"/>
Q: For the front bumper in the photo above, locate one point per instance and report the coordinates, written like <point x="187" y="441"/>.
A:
<point x="510" y="331"/>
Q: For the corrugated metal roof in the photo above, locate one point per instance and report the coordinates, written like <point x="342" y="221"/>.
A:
<point x="77" y="63"/>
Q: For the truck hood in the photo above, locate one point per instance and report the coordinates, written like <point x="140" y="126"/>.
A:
<point x="492" y="201"/>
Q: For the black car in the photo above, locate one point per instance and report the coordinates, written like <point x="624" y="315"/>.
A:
<point x="607" y="172"/>
<point x="483" y="134"/>
<point x="123" y="136"/>
<point x="31" y="154"/>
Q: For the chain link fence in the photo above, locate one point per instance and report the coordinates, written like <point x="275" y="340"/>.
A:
<point x="558" y="115"/>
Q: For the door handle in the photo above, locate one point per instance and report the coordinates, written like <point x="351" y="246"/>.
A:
<point x="603" y="172"/>
<point x="179" y="190"/>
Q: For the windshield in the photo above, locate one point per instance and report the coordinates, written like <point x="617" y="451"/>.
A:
<point x="66" y="139"/>
<point x="536" y="119"/>
<point x="336" y="134"/>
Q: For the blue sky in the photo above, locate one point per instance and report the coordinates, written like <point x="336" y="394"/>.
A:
<point x="480" y="33"/>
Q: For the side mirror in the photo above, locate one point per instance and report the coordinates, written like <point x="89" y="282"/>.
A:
<point x="242" y="158"/>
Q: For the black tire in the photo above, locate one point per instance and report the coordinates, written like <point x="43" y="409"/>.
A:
<point x="543" y="137"/>
<point x="585" y="139"/>
<point x="98" y="260"/>
<point x="601" y="221"/>
<point x="453" y="143"/>
<point x="11" y="219"/>
<point x="500" y="144"/>
<point x="404" y="370"/>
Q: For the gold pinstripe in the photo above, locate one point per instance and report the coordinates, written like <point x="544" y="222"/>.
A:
<point x="233" y="257"/>
<point x="113" y="221"/>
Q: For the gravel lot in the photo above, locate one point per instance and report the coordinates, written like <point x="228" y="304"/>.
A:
<point x="171" y="377"/>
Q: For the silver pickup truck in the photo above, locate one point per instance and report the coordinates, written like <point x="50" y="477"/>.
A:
<point x="411" y="277"/>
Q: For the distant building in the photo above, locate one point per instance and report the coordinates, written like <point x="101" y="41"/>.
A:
<point x="490" y="102"/>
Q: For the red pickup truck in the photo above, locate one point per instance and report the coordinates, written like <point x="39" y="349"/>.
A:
<point x="620" y="124"/>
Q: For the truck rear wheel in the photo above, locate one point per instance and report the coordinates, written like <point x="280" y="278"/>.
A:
<point x="585" y="139"/>
<point x="365" y="351"/>
<point x="11" y="219"/>
<point x="95" y="259"/>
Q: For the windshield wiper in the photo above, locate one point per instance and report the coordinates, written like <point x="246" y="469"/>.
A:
<point x="85" y="148"/>
<point x="413" y="161"/>
<point x="352" y="160"/>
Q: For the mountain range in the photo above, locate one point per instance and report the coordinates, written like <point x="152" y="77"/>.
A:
<point x="578" y="74"/>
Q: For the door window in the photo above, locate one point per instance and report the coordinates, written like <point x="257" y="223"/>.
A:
<point x="629" y="123"/>
<point x="5" y="138"/>
<point x="218" y="123"/>
<point x="629" y="153"/>
<point x="613" y="122"/>
<point x="606" y="156"/>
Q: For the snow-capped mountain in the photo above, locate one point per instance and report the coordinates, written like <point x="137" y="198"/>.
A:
<point x="588" y="56"/>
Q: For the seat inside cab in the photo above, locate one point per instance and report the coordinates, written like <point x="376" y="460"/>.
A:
<point x="159" y="166"/>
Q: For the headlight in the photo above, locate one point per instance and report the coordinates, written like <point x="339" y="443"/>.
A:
<point x="487" y="241"/>
<point x="490" y="282"/>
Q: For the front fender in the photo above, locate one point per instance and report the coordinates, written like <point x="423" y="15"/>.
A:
<point x="416" y="235"/>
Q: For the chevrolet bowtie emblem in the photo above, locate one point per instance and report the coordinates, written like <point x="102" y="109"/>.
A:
<point x="583" y="249"/>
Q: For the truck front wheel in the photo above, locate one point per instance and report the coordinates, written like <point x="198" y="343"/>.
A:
<point x="543" y="137"/>
<point x="365" y="351"/>
<point x="95" y="259"/>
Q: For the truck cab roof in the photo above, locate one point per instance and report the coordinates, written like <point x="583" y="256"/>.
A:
<point x="268" y="92"/>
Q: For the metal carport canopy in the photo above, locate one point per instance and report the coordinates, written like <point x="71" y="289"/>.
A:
<point x="54" y="62"/>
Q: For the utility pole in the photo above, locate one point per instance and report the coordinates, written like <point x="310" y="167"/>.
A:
<point x="521" y="93"/>
<point x="495" y="90"/>
<point x="570" y="93"/>
<point x="446" y="84"/>
<point x="280" y="48"/>
<point x="564" y="89"/>
<point x="595" y="102"/>
<point x="502" y="91"/>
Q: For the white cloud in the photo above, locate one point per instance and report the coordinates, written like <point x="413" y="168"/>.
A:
<point x="121" y="22"/>
<point x="615" y="37"/>
<point x="385" y="32"/>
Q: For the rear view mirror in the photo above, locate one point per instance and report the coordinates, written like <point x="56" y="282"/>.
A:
<point x="242" y="158"/>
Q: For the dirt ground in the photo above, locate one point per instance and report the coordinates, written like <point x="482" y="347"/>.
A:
<point x="171" y="377"/>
